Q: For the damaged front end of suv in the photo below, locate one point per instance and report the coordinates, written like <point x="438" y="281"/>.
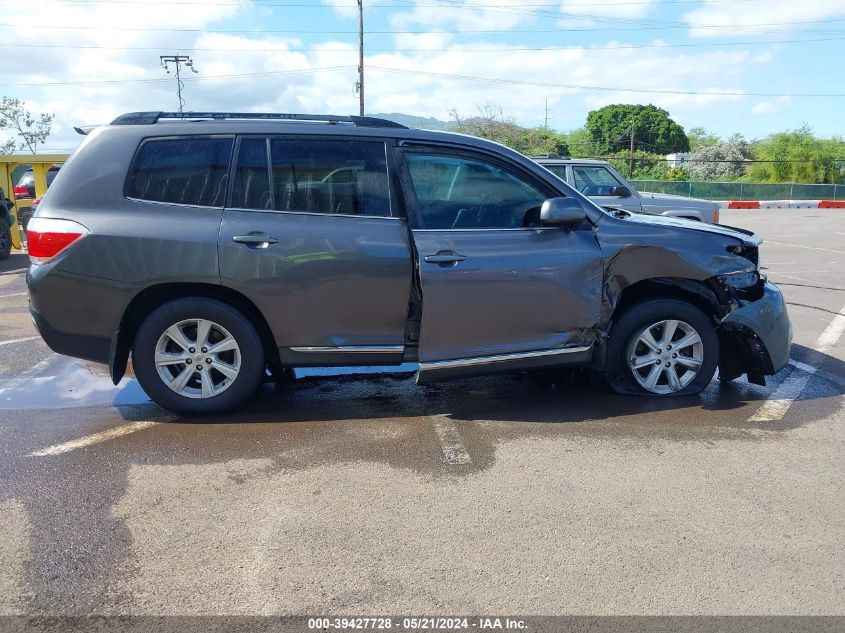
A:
<point x="715" y="268"/>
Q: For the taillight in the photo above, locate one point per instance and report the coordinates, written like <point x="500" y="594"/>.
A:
<point x="47" y="237"/>
<point x="21" y="191"/>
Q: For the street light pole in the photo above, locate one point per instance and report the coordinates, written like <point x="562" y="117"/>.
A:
<point x="178" y="61"/>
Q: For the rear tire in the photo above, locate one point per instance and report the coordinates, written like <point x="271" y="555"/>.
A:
<point x="198" y="356"/>
<point x="662" y="347"/>
<point x="5" y="239"/>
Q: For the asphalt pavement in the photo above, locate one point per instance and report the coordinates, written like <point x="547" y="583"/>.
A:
<point x="525" y="493"/>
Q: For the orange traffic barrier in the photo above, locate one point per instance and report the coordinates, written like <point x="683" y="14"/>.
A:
<point x="744" y="204"/>
<point x="831" y="204"/>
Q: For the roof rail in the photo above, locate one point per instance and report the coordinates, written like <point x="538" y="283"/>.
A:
<point x="149" y="118"/>
<point x="550" y="155"/>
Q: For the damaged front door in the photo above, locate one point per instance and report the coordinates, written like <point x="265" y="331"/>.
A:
<point x="498" y="289"/>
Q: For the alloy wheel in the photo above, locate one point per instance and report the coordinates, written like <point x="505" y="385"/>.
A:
<point x="665" y="356"/>
<point x="197" y="358"/>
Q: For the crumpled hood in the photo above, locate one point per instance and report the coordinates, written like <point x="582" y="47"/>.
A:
<point x="742" y="235"/>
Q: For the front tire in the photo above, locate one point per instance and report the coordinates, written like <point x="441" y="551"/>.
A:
<point x="662" y="347"/>
<point x="198" y="356"/>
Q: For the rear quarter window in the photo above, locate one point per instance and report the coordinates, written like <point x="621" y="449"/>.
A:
<point x="191" y="171"/>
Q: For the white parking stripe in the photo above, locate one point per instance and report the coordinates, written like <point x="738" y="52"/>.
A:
<point x="776" y="406"/>
<point x="96" y="438"/>
<point x="19" y="340"/>
<point x="809" y="248"/>
<point x="450" y="441"/>
<point x="818" y="372"/>
<point x="14" y="294"/>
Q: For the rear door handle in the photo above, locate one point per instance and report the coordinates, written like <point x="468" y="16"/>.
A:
<point x="445" y="257"/>
<point x="260" y="240"/>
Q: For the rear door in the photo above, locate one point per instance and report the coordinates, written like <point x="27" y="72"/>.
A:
<point x="313" y="237"/>
<point x="497" y="288"/>
<point x="597" y="182"/>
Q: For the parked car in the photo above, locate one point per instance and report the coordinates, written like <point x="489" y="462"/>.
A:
<point x="25" y="189"/>
<point x="215" y="247"/>
<point x="7" y="218"/>
<point x="26" y="183"/>
<point x="599" y="181"/>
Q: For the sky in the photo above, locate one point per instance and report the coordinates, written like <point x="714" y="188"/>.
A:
<point x="730" y="66"/>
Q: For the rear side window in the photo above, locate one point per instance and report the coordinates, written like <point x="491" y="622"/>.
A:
<point x="330" y="176"/>
<point x="181" y="171"/>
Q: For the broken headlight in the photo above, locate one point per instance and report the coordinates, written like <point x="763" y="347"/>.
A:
<point x="738" y="281"/>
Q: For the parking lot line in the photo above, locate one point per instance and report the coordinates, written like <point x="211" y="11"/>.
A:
<point x="14" y="294"/>
<point x="450" y="441"/>
<point x="96" y="438"/>
<point x="19" y="340"/>
<point x="776" y="406"/>
<point x="810" y="248"/>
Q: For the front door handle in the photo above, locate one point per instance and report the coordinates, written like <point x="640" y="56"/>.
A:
<point x="259" y="240"/>
<point x="445" y="257"/>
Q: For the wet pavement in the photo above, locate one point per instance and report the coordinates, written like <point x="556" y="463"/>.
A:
<point x="526" y="493"/>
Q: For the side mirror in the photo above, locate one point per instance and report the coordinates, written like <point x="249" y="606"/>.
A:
<point x="620" y="191"/>
<point x="562" y="212"/>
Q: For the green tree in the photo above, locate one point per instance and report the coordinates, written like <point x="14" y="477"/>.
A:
<point x="491" y="123"/>
<point x="580" y="143"/>
<point x="647" y="165"/>
<point x="798" y="156"/>
<point x="653" y="129"/>
<point x="28" y="130"/>
<point x="699" y="137"/>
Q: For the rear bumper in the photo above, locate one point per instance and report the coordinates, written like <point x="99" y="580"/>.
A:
<point x="756" y="337"/>
<point x="92" y="348"/>
<point x="75" y="315"/>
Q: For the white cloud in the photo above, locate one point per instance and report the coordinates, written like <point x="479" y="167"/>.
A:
<point x="608" y="8"/>
<point x="465" y="15"/>
<point x="770" y="107"/>
<point x="712" y="20"/>
<point x="320" y="81"/>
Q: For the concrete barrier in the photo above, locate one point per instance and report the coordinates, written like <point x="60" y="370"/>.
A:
<point x="786" y="204"/>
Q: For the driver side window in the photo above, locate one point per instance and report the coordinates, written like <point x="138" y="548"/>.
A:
<point x="594" y="181"/>
<point x="463" y="193"/>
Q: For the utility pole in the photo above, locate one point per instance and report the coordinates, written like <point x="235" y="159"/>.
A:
<point x="178" y="61"/>
<point x="361" y="57"/>
<point x="631" y="155"/>
<point x="546" y="124"/>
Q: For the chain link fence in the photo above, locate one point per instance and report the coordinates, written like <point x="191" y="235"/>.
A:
<point x="742" y="190"/>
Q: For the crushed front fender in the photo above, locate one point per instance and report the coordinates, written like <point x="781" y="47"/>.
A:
<point x="755" y="338"/>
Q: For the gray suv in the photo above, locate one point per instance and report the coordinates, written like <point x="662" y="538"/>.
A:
<point x="599" y="181"/>
<point x="218" y="248"/>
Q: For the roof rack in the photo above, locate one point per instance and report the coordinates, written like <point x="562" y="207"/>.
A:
<point x="149" y="118"/>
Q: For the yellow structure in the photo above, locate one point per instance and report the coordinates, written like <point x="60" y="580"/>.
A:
<point x="41" y="164"/>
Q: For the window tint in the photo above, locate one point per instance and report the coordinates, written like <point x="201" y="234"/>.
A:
<point x="557" y="170"/>
<point x="182" y="171"/>
<point x="252" y="175"/>
<point x="456" y="193"/>
<point x="330" y="176"/>
<point x="594" y="181"/>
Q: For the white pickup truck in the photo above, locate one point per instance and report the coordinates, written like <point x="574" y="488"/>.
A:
<point x="599" y="181"/>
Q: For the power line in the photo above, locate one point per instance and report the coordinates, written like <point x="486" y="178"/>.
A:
<point x="428" y="31"/>
<point x="602" y="88"/>
<point x="106" y="82"/>
<point x="455" y="48"/>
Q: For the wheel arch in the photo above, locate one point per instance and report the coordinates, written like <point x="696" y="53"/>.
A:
<point x="693" y="291"/>
<point x="154" y="296"/>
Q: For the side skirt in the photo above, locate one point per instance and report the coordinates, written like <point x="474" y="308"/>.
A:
<point x="477" y="366"/>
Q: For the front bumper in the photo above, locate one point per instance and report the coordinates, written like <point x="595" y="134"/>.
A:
<point x="756" y="337"/>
